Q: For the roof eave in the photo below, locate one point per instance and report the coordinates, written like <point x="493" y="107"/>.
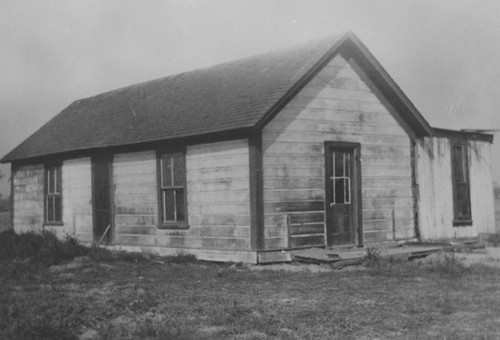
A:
<point x="447" y="133"/>
<point x="230" y="134"/>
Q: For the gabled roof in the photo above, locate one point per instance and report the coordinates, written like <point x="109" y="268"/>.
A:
<point x="243" y="94"/>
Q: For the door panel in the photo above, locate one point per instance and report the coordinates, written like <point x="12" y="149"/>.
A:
<point x="101" y="168"/>
<point x="342" y="193"/>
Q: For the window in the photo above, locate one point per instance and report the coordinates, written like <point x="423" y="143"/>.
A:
<point x="173" y="205"/>
<point x="341" y="178"/>
<point x="461" y="187"/>
<point x="53" y="194"/>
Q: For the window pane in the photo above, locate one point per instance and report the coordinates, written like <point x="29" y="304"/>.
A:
<point x="179" y="169"/>
<point x="347" y="190"/>
<point x="331" y="166"/>
<point x="347" y="164"/>
<point x="51" y="178"/>
<point x="458" y="164"/>
<point x="461" y="191"/>
<point x="166" y="167"/>
<point x="50" y="208"/>
<point x="169" y="205"/>
<point x="48" y="180"/>
<point x="339" y="191"/>
<point x="464" y="166"/>
<point x="339" y="164"/>
<point x="57" y="209"/>
<point x="179" y="204"/>
<point x="463" y="207"/>
<point x="58" y="179"/>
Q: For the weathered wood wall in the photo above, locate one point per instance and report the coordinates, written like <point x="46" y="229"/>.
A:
<point x="436" y="192"/>
<point x="28" y="198"/>
<point x="135" y="198"/>
<point x="339" y="104"/>
<point x="217" y="193"/>
<point x="77" y="199"/>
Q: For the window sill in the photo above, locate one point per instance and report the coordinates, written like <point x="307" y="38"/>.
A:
<point x="173" y="226"/>
<point x="464" y="223"/>
<point x="53" y="224"/>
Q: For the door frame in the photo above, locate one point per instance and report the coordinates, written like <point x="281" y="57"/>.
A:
<point x="356" y="192"/>
<point x="108" y="158"/>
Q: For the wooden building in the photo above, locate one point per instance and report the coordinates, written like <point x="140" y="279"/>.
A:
<point x="311" y="146"/>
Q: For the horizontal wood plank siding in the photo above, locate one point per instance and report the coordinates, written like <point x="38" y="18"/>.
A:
<point x="436" y="192"/>
<point x="135" y="193"/>
<point x="77" y="198"/>
<point x="337" y="105"/>
<point x="28" y="198"/>
<point x="217" y="195"/>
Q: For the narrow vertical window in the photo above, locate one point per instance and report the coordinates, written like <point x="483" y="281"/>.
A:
<point x="53" y="194"/>
<point x="172" y="188"/>
<point x="461" y="186"/>
<point x="341" y="178"/>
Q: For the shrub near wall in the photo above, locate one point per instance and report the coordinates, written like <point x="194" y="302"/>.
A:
<point x="4" y="204"/>
<point x="40" y="247"/>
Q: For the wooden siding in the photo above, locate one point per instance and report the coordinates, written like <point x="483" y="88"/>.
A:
<point x="28" y="198"/>
<point x="217" y="195"/>
<point x="135" y="197"/>
<point x="436" y="193"/>
<point x="339" y="104"/>
<point x="77" y="198"/>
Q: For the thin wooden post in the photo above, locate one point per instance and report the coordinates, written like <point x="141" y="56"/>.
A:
<point x="105" y="232"/>
<point x="288" y="231"/>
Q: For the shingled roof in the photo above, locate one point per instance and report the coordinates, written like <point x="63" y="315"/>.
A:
<point x="230" y="96"/>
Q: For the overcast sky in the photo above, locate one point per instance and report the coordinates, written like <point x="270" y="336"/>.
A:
<point x="443" y="54"/>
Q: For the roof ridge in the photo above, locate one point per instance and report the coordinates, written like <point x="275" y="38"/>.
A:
<point x="330" y="38"/>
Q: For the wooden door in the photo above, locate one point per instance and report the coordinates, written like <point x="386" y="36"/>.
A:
<point x="343" y="183"/>
<point x="101" y="173"/>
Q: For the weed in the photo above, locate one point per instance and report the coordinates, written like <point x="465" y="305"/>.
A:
<point x="372" y="256"/>
<point x="181" y="258"/>
<point x="447" y="265"/>
<point x="8" y="240"/>
<point x="99" y="254"/>
<point x="133" y="257"/>
<point x="43" y="247"/>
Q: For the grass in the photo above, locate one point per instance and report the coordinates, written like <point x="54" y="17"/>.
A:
<point x="4" y="220"/>
<point x="130" y="296"/>
<point x="39" y="247"/>
<point x="497" y="215"/>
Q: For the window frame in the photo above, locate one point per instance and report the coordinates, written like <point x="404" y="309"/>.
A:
<point x="53" y="195"/>
<point x="464" y="162"/>
<point x="171" y="224"/>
